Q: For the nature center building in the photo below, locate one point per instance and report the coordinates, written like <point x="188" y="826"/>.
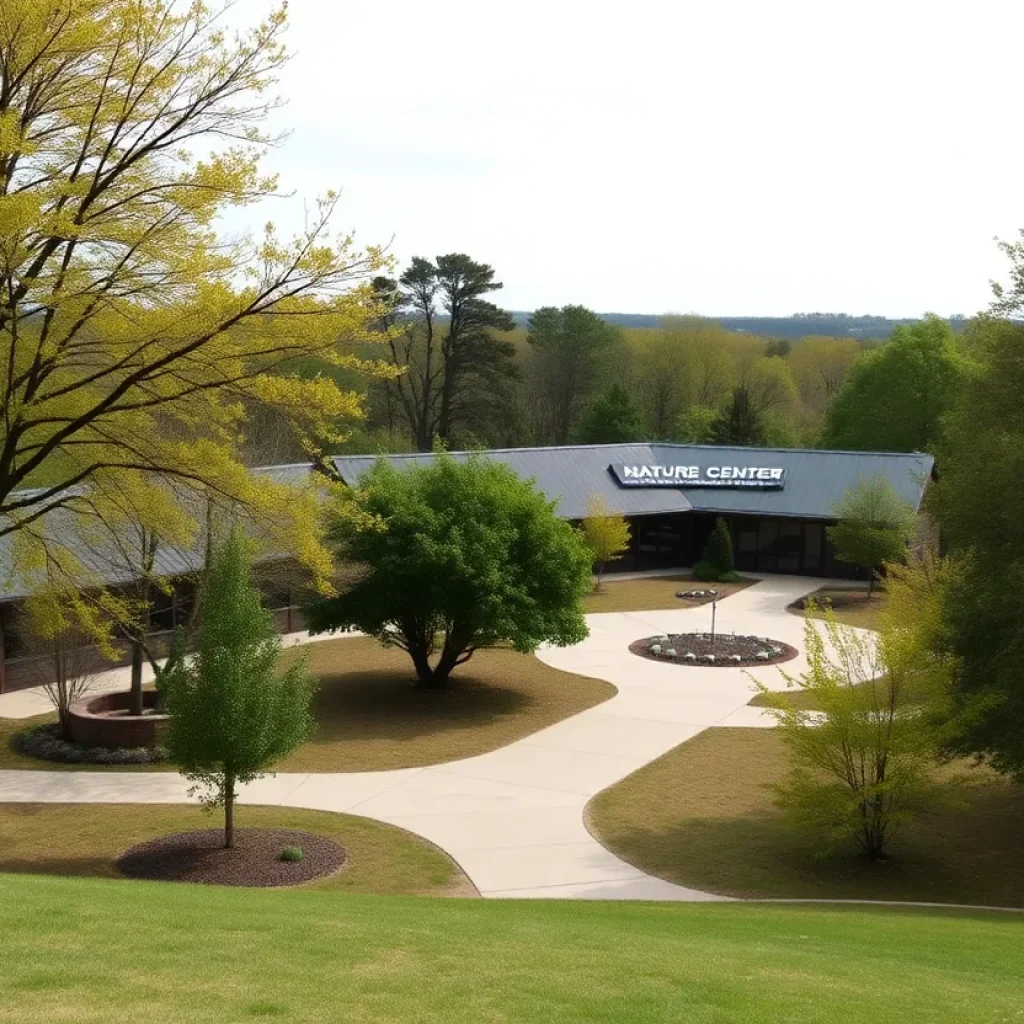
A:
<point x="777" y="501"/>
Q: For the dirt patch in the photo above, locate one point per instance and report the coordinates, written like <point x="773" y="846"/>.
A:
<point x="728" y="651"/>
<point x="255" y="860"/>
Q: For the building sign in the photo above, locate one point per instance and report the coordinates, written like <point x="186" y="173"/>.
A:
<point x="756" y="477"/>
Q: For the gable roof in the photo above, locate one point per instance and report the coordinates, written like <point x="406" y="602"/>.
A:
<point x="814" y="480"/>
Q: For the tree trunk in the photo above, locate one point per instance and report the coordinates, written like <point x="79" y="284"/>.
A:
<point x="138" y="656"/>
<point x="871" y="583"/>
<point x="229" y="810"/>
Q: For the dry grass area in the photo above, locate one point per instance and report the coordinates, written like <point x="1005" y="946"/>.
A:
<point x="701" y="816"/>
<point x="86" y="840"/>
<point x="651" y="593"/>
<point x="371" y="716"/>
<point x="850" y="605"/>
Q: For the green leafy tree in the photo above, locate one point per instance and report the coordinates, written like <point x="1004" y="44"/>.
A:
<point x="697" y="425"/>
<point x="863" y="764"/>
<point x="739" y="423"/>
<point x="978" y="500"/>
<point x="717" y="559"/>
<point x="460" y="555"/>
<point x="611" y="418"/>
<point x="570" y="348"/>
<point x="875" y="525"/>
<point x="232" y="714"/>
<point x="607" y="535"/>
<point x="894" y="397"/>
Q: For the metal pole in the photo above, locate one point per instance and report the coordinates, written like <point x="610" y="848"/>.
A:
<point x="714" y="607"/>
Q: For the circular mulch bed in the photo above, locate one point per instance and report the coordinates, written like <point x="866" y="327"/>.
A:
<point x="200" y="856"/>
<point x="725" y="651"/>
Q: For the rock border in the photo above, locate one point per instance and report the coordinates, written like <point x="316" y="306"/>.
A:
<point x="696" y="650"/>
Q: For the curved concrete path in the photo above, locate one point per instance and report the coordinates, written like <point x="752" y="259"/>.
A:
<point x="513" y="818"/>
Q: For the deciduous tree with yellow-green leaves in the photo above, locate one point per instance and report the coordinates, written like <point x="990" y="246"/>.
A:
<point x="606" y="534"/>
<point x="132" y="334"/>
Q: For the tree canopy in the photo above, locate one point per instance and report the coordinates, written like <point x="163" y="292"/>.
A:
<point x="460" y="555"/>
<point x="132" y="335"/>
<point x="875" y="525"/>
<point x="893" y="399"/>
<point x="611" y="418"/>
<point x="978" y="499"/>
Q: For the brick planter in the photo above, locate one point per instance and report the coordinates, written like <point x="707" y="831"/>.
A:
<point x="104" y="722"/>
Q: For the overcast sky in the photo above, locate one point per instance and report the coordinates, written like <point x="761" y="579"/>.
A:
<point x="761" y="157"/>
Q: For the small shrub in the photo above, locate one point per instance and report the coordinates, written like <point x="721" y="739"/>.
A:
<point x="729" y="577"/>
<point x="46" y="743"/>
<point x="705" y="572"/>
<point x="291" y="854"/>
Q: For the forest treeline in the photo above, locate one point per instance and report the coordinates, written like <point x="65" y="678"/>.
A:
<point x="462" y="372"/>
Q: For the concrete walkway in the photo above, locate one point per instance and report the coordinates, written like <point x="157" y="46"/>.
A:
<point x="513" y="818"/>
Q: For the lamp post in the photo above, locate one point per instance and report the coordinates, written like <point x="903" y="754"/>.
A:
<point x="714" y="609"/>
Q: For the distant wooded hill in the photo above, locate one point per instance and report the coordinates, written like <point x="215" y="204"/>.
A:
<point x="834" y="325"/>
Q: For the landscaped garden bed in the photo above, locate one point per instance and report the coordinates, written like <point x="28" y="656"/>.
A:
<point x="262" y="857"/>
<point x="47" y="743"/>
<point x="380" y="858"/>
<point x="706" y="651"/>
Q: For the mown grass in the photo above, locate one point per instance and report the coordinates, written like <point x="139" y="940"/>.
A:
<point x="370" y="715"/>
<point x="85" y="952"/>
<point x="86" y="840"/>
<point x="850" y="605"/>
<point x="702" y="816"/>
<point x="650" y="593"/>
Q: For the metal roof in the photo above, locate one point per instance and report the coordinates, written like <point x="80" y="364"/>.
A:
<point x="814" y="479"/>
<point x="569" y="475"/>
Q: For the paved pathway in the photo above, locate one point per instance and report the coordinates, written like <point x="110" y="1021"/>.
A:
<point x="513" y="818"/>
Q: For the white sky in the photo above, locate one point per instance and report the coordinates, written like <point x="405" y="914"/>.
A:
<point x="756" y="157"/>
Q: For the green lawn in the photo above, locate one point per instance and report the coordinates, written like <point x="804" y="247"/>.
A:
<point x="650" y="593"/>
<point x="370" y="716"/>
<point x="850" y="605"/>
<point x="96" y="952"/>
<point x="702" y="816"/>
<point x="87" y="839"/>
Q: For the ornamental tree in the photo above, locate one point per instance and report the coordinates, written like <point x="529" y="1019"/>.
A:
<point x="718" y="558"/>
<point x="863" y="764"/>
<point x="460" y="555"/>
<point x="232" y="714"/>
<point x="132" y="336"/>
<point x="606" y="535"/>
<point x="875" y="525"/>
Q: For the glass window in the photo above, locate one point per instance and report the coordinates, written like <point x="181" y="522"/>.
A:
<point x="812" y="546"/>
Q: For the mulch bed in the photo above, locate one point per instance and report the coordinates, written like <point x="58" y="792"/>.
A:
<point x="200" y="857"/>
<point x="725" y="651"/>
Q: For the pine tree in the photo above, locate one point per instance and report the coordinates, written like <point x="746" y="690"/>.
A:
<point x="740" y="423"/>
<point x="232" y="715"/>
<point x="718" y="554"/>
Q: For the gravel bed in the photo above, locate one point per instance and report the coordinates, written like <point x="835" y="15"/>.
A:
<point x="725" y="651"/>
<point x="255" y="860"/>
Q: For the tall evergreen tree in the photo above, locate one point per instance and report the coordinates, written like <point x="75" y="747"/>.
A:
<point x="739" y="423"/>
<point x="456" y="373"/>
<point x="570" y="346"/>
<point x="611" y="418"/>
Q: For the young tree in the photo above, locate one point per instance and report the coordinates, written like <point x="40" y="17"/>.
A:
<point x="232" y="714"/>
<point x="131" y="334"/>
<point x="740" y="423"/>
<point x="460" y="555"/>
<point x="69" y="661"/>
<point x="894" y="397"/>
<point x="611" y="418"/>
<point x="606" y="534"/>
<point x="863" y="764"/>
<point x="875" y="526"/>
<point x="454" y="370"/>
<point x="718" y="558"/>
<point x="978" y="500"/>
<point x="570" y="347"/>
<point x="696" y="425"/>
